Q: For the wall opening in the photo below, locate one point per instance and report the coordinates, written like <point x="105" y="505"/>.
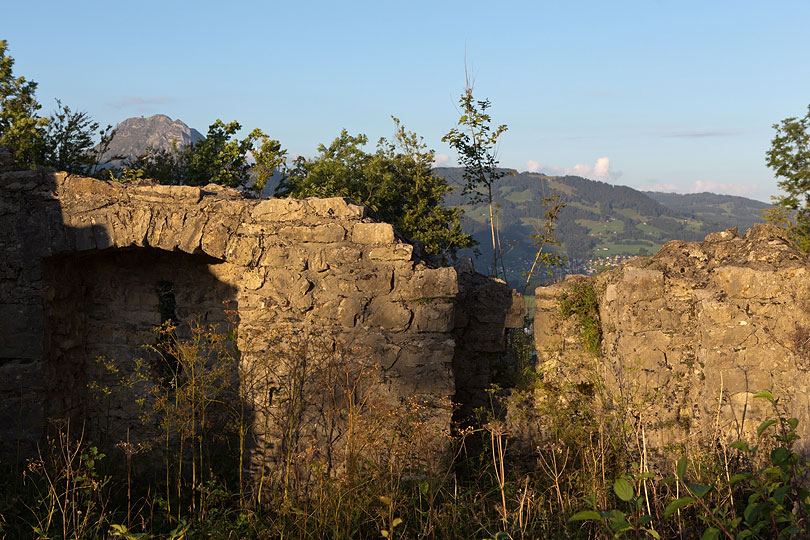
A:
<point x="106" y="313"/>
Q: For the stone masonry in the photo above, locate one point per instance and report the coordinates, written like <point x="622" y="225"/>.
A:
<point x="86" y="266"/>
<point x="692" y="333"/>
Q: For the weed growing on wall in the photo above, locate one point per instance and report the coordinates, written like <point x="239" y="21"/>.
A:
<point x="581" y="301"/>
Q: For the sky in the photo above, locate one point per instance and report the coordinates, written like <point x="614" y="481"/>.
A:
<point x="657" y="95"/>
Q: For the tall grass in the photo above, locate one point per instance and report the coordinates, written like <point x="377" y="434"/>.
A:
<point x="303" y="443"/>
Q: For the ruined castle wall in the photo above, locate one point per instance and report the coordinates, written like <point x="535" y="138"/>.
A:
<point x="692" y="333"/>
<point x="83" y="261"/>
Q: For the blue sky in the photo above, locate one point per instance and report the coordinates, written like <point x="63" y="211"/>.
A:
<point x="666" y="95"/>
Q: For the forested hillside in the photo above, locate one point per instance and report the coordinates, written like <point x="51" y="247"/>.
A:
<point x="600" y="223"/>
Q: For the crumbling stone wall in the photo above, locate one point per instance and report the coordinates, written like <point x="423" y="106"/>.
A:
<point x="83" y="261"/>
<point x="692" y="333"/>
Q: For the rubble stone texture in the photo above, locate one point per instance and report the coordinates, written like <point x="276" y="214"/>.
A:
<point x="692" y="333"/>
<point x="83" y="263"/>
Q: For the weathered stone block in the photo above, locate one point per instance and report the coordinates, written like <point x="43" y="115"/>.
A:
<point x="376" y="280"/>
<point x="280" y="268"/>
<point x="397" y="252"/>
<point x="337" y="207"/>
<point x="388" y="314"/>
<point x="317" y="261"/>
<point x="253" y="279"/>
<point x="714" y="321"/>
<point x="243" y="250"/>
<point x="428" y="283"/>
<point x="21" y="331"/>
<point x="159" y="193"/>
<point x="327" y="233"/>
<point x="340" y="255"/>
<point x="433" y="316"/>
<point x="279" y="210"/>
<point x="190" y="235"/>
<point x="372" y="233"/>
<point x="639" y="284"/>
<point x="349" y="310"/>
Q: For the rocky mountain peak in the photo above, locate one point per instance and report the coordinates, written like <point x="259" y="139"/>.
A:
<point x="135" y="135"/>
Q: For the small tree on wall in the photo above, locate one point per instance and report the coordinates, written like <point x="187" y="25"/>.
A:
<point x="476" y="142"/>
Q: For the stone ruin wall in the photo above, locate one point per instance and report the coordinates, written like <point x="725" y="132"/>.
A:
<point x="691" y="334"/>
<point x="82" y="261"/>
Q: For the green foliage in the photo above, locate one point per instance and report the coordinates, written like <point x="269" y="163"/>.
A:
<point x="385" y="471"/>
<point x="64" y="141"/>
<point x="219" y="158"/>
<point x="476" y="143"/>
<point x="771" y="501"/>
<point x="164" y="166"/>
<point x="789" y="157"/>
<point x="69" y="141"/>
<point x="777" y="499"/>
<point x="581" y="300"/>
<point x="21" y="128"/>
<point x="69" y="494"/>
<point x="636" y="522"/>
<point x="269" y="157"/>
<point x="396" y="182"/>
<point x="789" y="220"/>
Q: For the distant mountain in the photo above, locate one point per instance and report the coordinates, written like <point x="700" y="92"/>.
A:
<point x="601" y="223"/>
<point x="134" y="135"/>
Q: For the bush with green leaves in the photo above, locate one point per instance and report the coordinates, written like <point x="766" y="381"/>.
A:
<point x="396" y="182"/>
<point x="752" y="502"/>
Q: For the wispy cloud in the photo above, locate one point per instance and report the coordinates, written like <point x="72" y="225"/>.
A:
<point x="730" y="189"/>
<point x="140" y="102"/>
<point x="699" y="134"/>
<point x="701" y="186"/>
<point x="601" y="170"/>
<point x="664" y="188"/>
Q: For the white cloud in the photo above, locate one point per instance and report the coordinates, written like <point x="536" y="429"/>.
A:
<point x="580" y="169"/>
<point x="602" y="168"/>
<point x="440" y="160"/>
<point x="598" y="171"/>
<point x="535" y="166"/>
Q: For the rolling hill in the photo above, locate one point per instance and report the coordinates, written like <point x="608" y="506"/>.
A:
<point x="600" y="224"/>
